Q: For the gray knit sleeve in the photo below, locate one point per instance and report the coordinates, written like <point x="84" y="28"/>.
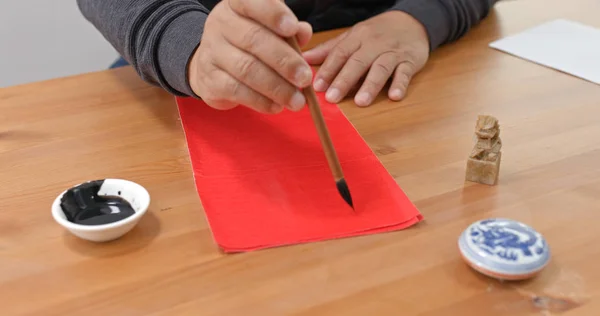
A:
<point x="446" y="20"/>
<point x="157" y="37"/>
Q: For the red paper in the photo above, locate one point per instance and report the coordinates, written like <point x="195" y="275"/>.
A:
<point x="264" y="180"/>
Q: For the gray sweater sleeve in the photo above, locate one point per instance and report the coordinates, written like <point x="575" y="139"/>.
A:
<point x="157" y="37"/>
<point x="446" y="20"/>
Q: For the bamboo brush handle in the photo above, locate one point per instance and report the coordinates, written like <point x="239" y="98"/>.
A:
<point x="317" y="115"/>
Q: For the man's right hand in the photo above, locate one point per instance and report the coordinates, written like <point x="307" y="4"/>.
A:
<point x="243" y="59"/>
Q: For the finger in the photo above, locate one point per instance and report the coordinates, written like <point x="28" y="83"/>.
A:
<point x="381" y="70"/>
<point x="317" y="55"/>
<point x="213" y="92"/>
<point x="304" y="34"/>
<point x="227" y="91"/>
<point x="259" y="77"/>
<point x="337" y="58"/>
<point x="404" y="73"/>
<point x="356" y="87"/>
<point x="356" y="66"/>
<point x="271" y="49"/>
<point x="272" y="14"/>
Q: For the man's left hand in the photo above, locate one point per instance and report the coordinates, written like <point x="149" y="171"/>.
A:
<point x="390" y="45"/>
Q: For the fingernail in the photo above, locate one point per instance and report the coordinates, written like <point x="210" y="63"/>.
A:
<point x="332" y="95"/>
<point x="276" y="108"/>
<point x="396" y="94"/>
<point x="297" y="101"/>
<point x="320" y="85"/>
<point x="287" y="24"/>
<point x="363" y="99"/>
<point x="303" y="76"/>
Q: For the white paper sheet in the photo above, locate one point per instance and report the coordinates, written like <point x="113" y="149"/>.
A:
<point x="564" y="45"/>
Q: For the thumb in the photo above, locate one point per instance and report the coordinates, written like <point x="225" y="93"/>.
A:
<point x="402" y="76"/>
<point x="318" y="54"/>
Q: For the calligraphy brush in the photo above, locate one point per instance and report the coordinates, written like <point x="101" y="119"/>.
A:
<point x="330" y="153"/>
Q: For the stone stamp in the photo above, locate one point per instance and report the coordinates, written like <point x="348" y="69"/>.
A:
<point x="483" y="164"/>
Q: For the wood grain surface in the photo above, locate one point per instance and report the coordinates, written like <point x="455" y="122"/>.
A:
<point x="57" y="133"/>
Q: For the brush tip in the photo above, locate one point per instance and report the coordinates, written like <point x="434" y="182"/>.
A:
<point x="342" y="187"/>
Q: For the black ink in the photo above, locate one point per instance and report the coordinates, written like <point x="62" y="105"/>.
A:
<point x="82" y="205"/>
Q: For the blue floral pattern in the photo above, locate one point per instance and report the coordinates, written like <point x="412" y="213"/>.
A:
<point x="507" y="240"/>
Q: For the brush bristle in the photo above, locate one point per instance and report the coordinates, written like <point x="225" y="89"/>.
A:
<point x="342" y="187"/>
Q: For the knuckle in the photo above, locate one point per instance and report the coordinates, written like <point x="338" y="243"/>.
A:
<point x="246" y="67"/>
<point x="342" y="82"/>
<point x="211" y="89"/>
<point x="327" y="76"/>
<point x="411" y="66"/>
<point x="284" y="61"/>
<point x="402" y="79"/>
<point x="383" y="68"/>
<point x="359" y="28"/>
<point x="259" y="102"/>
<point x="230" y="87"/>
<point x="358" y="61"/>
<point x="238" y="6"/>
<point x="396" y="55"/>
<point x="341" y="53"/>
<point x="281" y="93"/>
<point x="219" y="15"/>
<point x="209" y="25"/>
<point x="276" y="5"/>
<point x="374" y="81"/>
<point x="395" y="44"/>
<point x="408" y="56"/>
<point x="253" y="37"/>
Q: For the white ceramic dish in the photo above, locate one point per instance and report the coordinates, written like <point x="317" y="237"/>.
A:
<point x="132" y="192"/>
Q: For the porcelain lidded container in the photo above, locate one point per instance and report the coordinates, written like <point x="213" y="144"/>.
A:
<point x="504" y="249"/>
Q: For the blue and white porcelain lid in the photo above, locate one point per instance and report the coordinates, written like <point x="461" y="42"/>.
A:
<point x="504" y="247"/>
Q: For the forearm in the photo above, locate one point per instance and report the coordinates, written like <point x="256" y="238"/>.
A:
<point x="156" y="37"/>
<point x="446" y="20"/>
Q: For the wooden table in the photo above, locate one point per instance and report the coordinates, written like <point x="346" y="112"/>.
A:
<point x="58" y="133"/>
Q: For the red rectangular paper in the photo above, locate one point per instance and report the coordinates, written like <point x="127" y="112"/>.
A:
<point x="264" y="180"/>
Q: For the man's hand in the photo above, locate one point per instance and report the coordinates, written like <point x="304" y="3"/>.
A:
<point x="390" y="45"/>
<point x="243" y="59"/>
